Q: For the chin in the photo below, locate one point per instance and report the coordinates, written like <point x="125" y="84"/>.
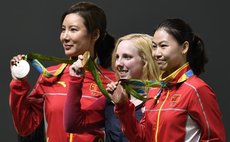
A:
<point x="162" y="67"/>
<point x="69" y="54"/>
<point x="124" y="77"/>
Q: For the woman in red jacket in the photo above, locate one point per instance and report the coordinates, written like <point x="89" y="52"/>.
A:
<point x="185" y="108"/>
<point x="83" y="28"/>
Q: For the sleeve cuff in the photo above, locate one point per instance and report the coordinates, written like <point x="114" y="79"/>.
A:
<point x="75" y="79"/>
<point x="123" y="107"/>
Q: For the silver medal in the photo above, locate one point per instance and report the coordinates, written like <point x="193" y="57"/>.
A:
<point x="21" y="69"/>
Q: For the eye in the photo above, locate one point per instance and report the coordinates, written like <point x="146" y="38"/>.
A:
<point x="163" y="45"/>
<point x="117" y="57"/>
<point x="126" y="56"/>
<point x="154" y="46"/>
<point x="62" y="29"/>
<point x="73" y="29"/>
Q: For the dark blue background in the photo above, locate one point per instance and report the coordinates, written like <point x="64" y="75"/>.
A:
<point x="34" y="26"/>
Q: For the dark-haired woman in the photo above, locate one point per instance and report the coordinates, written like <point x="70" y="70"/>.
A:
<point x="185" y="108"/>
<point x="83" y="28"/>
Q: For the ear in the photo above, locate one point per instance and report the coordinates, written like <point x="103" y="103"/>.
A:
<point x="185" y="47"/>
<point x="96" y="34"/>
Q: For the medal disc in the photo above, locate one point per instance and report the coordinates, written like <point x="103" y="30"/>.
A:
<point x="21" y="69"/>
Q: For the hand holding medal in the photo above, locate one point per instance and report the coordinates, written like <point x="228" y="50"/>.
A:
<point x="19" y="67"/>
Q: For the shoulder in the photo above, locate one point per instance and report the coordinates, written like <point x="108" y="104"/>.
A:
<point x="195" y="82"/>
<point x="198" y="86"/>
<point x="108" y="74"/>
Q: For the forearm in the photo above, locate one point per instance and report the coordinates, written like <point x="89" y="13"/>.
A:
<point x="77" y="119"/>
<point x="131" y="127"/>
<point x="72" y="104"/>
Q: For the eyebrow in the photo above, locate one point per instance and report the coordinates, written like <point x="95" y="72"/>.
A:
<point x="164" y="41"/>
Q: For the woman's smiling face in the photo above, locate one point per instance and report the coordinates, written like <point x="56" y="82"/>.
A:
<point x="128" y="63"/>
<point x="169" y="55"/>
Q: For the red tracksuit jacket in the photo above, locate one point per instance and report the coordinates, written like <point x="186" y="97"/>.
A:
<point x="185" y="112"/>
<point x="46" y="101"/>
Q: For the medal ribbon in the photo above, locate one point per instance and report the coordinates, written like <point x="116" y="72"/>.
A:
<point x="133" y="86"/>
<point x="90" y="65"/>
<point x="136" y="87"/>
<point x="34" y="59"/>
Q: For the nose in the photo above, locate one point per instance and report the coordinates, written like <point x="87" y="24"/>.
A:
<point x="119" y="63"/>
<point x="65" y="35"/>
<point x="157" y="53"/>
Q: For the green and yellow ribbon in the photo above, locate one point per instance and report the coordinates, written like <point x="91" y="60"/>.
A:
<point x="133" y="87"/>
<point x="137" y="87"/>
<point x="90" y="65"/>
<point x="35" y="57"/>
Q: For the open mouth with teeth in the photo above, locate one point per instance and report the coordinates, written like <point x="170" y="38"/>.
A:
<point x="122" y="72"/>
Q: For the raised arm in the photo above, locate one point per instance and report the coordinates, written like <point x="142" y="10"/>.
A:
<point x="26" y="108"/>
<point x="125" y="111"/>
<point x="78" y="118"/>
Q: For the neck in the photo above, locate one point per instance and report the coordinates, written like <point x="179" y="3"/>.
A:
<point x="167" y="75"/>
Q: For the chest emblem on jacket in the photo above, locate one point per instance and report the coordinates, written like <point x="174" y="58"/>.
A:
<point x="94" y="89"/>
<point x="175" y="99"/>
